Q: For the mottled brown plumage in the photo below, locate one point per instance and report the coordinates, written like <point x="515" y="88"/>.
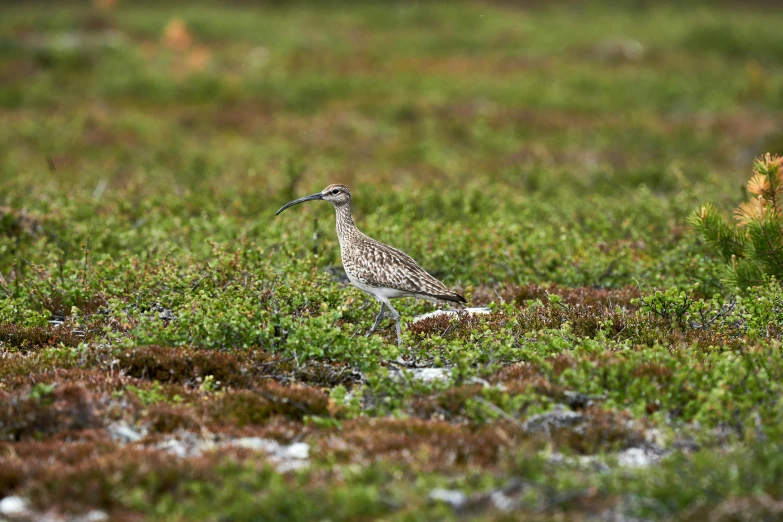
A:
<point x="378" y="269"/>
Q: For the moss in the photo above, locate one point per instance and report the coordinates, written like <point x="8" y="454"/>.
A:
<point x="238" y="369"/>
<point x="19" y="366"/>
<point x="167" y="418"/>
<point x="181" y="365"/>
<point x="93" y="483"/>
<point x="454" y="403"/>
<point x="36" y="337"/>
<point x="94" y="380"/>
<point x="423" y="444"/>
<point x="29" y="416"/>
<point x="256" y="407"/>
<point x="523" y="377"/>
<point x="520" y="294"/>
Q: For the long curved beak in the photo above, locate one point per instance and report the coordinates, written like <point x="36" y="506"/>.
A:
<point x="300" y="200"/>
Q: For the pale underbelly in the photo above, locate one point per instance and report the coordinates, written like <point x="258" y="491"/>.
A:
<point x="378" y="291"/>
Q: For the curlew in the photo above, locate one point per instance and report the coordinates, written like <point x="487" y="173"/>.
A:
<point x="374" y="267"/>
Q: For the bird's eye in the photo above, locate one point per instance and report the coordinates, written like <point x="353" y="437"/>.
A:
<point x="336" y="191"/>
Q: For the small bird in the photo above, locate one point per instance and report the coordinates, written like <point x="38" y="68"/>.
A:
<point x="374" y="267"/>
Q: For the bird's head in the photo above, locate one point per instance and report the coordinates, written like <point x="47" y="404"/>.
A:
<point x="337" y="195"/>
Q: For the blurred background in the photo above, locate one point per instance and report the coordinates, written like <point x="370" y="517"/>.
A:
<point x="259" y="97"/>
<point x="561" y="116"/>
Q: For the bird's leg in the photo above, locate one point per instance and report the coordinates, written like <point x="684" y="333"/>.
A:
<point x="398" y="321"/>
<point x="377" y="320"/>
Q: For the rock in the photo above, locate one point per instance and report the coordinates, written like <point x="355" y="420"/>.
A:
<point x="420" y="374"/>
<point x="431" y="374"/>
<point x="124" y="433"/>
<point x="503" y="502"/>
<point x="13" y="506"/>
<point x="175" y="447"/>
<point x="470" y="311"/>
<point x="508" y="498"/>
<point x="297" y="450"/>
<point x="163" y="313"/>
<point x="641" y="457"/>
<point x="455" y="499"/>
<point x="284" y="457"/>
<point x="94" y="515"/>
<point x="557" y="418"/>
<point x="186" y="445"/>
<point x="255" y="443"/>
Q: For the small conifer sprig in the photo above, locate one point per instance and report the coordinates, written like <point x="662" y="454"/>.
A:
<point x="752" y="246"/>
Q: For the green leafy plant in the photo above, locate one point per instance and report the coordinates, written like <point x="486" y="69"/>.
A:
<point x="673" y="305"/>
<point x="209" y="384"/>
<point x="43" y="391"/>
<point x="150" y="396"/>
<point x="753" y="246"/>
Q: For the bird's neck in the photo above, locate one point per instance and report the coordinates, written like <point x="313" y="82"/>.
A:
<point x="345" y="225"/>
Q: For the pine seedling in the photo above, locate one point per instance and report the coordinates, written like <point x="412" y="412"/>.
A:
<point x="752" y="245"/>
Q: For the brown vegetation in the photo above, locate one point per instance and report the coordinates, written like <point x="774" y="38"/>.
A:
<point x="28" y="416"/>
<point x="35" y="337"/>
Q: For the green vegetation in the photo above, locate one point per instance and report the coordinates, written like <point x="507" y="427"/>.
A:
<point x="549" y="162"/>
<point x="754" y="248"/>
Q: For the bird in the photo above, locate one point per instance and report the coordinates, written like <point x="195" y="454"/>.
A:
<point x="376" y="268"/>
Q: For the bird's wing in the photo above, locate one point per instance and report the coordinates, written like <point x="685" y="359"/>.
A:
<point x="378" y="264"/>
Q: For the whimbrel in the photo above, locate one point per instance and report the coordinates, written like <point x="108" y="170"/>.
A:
<point x="374" y="267"/>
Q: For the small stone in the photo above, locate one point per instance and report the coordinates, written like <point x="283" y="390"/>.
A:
<point x="123" y="432"/>
<point x="174" y="447"/>
<point x="502" y="502"/>
<point x="420" y="374"/>
<point x="96" y="515"/>
<point x="431" y="374"/>
<point x="256" y="443"/>
<point x="637" y="458"/>
<point x="164" y="313"/>
<point x="470" y="311"/>
<point x="13" y="506"/>
<point x="285" y="458"/>
<point x="205" y="445"/>
<point x="455" y="499"/>
<point x="297" y="450"/>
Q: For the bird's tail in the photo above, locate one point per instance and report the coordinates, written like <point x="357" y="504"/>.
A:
<point x="451" y="298"/>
